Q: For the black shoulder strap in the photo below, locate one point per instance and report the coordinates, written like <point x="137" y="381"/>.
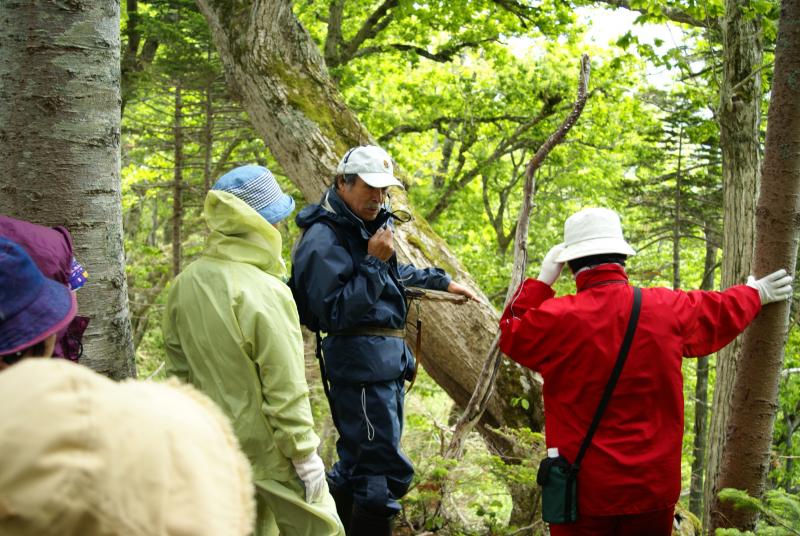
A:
<point x="339" y="232"/>
<point x="612" y="381"/>
<point x="341" y="237"/>
<point x="324" y="377"/>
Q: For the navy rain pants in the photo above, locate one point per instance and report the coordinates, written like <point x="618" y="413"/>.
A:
<point x="371" y="466"/>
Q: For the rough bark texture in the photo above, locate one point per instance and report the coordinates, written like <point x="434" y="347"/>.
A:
<point x="739" y="118"/>
<point x="59" y="150"/>
<point x="745" y="457"/>
<point x="279" y="74"/>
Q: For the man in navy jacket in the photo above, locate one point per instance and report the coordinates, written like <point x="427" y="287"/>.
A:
<point x="346" y="273"/>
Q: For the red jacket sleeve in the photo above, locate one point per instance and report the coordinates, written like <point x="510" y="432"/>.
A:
<point x="523" y="326"/>
<point x="710" y="320"/>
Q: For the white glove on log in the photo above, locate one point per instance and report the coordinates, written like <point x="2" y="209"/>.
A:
<point x="311" y="471"/>
<point x="550" y="268"/>
<point x="774" y="287"/>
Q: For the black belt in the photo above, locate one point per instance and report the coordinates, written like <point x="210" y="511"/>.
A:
<point x="370" y="330"/>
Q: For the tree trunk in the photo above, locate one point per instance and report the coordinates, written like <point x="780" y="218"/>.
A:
<point x="701" y="397"/>
<point x="676" y="221"/>
<point x="792" y="425"/>
<point x="444" y="165"/>
<point x="134" y="60"/>
<point x="152" y="236"/>
<point x="177" y="185"/>
<point x="745" y="457"/>
<point x="739" y="117"/>
<point x="208" y="135"/>
<point x="276" y="69"/>
<point x="129" y="56"/>
<point x="59" y="150"/>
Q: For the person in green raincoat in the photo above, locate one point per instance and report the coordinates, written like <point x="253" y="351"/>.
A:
<point x="231" y="329"/>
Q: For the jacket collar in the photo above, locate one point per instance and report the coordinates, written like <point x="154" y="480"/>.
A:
<point x="604" y="273"/>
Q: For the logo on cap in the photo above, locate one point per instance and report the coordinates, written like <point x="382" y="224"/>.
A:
<point x="386" y="164"/>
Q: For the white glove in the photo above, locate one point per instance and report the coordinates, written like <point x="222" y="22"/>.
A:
<point x="311" y="471"/>
<point x="774" y="287"/>
<point x="550" y="268"/>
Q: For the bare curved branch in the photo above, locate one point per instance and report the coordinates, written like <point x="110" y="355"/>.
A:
<point x="442" y="56"/>
<point x="439" y="121"/>
<point x="483" y="391"/>
<point x="375" y="23"/>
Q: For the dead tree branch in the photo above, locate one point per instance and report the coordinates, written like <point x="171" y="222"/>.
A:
<point x="671" y="13"/>
<point x="484" y="388"/>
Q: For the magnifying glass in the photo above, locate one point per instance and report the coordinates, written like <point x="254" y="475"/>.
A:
<point x="401" y="216"/>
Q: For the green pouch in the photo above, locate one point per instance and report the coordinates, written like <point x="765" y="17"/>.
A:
<point x="559" y="481"/>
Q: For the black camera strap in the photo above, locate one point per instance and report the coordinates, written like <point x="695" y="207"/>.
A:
<point x="612" y="381"/>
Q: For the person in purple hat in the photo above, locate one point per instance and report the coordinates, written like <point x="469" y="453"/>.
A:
<point x="51" y="250"/>
<point x="33" y="308"/>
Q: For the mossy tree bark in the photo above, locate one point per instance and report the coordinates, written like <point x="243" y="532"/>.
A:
<point x="747" y="447"/>
<point x="59" y="150"/>
<point x="279" y="74"/>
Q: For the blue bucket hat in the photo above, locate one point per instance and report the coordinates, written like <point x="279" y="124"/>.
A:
<point x="256" y="186"/>
<point x="32" y="307"/>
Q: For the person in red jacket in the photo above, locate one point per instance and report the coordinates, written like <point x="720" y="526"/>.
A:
<point x="629" y="480"/>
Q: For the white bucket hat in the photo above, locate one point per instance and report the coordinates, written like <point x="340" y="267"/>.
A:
<point x="371" y="163"/>
<point x="593" y="231"/>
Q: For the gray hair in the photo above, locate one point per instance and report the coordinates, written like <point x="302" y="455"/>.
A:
<point x="346" y="178"/>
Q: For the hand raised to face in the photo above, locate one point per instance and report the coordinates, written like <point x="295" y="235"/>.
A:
<point x="381" y="245"/>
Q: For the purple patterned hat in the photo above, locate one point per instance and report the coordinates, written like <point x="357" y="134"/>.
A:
<point x="32" y="307"/>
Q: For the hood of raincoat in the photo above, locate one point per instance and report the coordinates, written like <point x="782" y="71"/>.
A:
<point x="85" y="456"/>
<point x="240" y="234"/>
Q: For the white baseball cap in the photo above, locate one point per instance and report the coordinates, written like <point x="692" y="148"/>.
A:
<point x="371" y="163"/>
<point x="593" y="231"/>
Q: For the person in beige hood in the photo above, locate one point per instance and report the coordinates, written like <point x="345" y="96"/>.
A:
<point x="85" y="456"/>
